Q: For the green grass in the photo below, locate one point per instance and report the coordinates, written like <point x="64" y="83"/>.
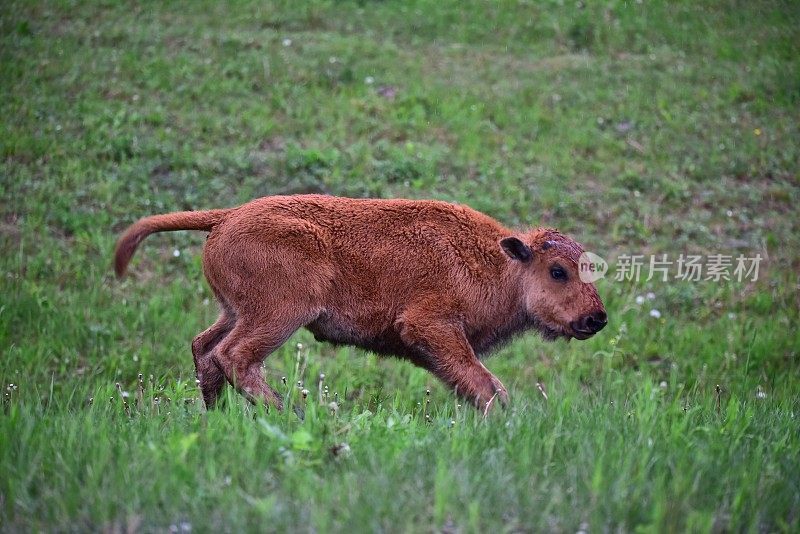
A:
<point x="638" y="128"/>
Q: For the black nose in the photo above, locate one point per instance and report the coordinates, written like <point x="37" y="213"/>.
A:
<point x="590" y="324"/>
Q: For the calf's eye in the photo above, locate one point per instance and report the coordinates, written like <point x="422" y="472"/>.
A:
<point x="557" y="273"/>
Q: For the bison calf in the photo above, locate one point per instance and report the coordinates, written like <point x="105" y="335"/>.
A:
<point x="436" y="283"/>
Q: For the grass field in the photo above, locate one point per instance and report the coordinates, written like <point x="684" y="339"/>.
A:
<point x="637" y="127"/>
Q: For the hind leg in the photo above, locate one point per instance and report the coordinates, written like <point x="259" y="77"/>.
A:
<point x="275" y="279"/>
<point x="241" y="353"/>
<point x="211" y="377"/>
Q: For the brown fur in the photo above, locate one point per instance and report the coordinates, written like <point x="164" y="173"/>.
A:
<point x="429" y="281"/>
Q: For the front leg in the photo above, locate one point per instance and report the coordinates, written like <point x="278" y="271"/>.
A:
<point x="445" y="351"/>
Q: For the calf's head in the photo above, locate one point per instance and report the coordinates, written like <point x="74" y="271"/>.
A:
<point x="544" y="264"/>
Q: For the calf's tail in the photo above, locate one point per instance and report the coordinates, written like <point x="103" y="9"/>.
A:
<point x="181" y="220"/>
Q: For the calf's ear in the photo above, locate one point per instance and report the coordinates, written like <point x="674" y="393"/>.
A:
<point x="516" y="249"/>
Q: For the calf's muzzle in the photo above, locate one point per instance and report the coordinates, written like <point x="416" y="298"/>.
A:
<point x="590" y="324"/>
